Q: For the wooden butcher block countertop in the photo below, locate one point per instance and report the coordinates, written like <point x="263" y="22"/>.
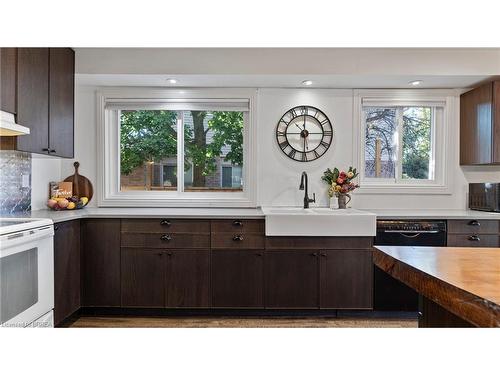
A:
<point x="465" y="281"/>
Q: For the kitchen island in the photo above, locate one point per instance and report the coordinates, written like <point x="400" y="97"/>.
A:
<point x="459" y="286"/>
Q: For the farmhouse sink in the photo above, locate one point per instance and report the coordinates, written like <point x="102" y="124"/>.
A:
<point x="296" y="221"/>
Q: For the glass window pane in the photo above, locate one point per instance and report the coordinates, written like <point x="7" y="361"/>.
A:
<point x="212" y="139"/>
<point x="417" y="143"/>
<point x="148" y="141"/>
<point x="380" y="142"/>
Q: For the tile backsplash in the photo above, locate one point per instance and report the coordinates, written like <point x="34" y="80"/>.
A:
<point x="15" y="181"/>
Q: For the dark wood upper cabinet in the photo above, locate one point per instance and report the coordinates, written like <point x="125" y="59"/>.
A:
<point x="480" y="125"/>
<point x="101" y="262"/>
<point x="346" y="279"/>
<point x="61" y="101"/>
<point x="67" y="284"/>
<point x="33" y="98"/>
<point x="187" y="278"/>
<point x="142" y="277"/>
<point x="238" y="278"/>
<point x="292" y="279"/>
<point x="8" y="77"/>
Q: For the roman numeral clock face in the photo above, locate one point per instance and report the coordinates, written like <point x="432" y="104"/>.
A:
<point x="304" y="133"/>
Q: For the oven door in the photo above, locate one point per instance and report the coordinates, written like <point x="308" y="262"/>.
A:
<point x="26" y="276"/>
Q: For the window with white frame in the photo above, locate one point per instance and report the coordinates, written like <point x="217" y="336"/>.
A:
<point x="176" y="151"/>
<point x="402" y="144"/>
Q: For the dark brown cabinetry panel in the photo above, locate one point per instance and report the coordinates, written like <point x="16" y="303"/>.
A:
<point x="315" y="243"/>
<point x="473" y="240"/>
<point x="101" y="262"/>
<point x="33" y="98"/>
<point x="292" y="279"/>
<point x="346" y="279"/>
<point x="238" y="278"/>
<point x="187" y="278"/>
<point x="8" y="77"/>
<point x="480" y="125"/>
<point x="238" y="241"/>
<point x="238" y="226"/>
<point x="142" y="277"/>
<point x="66" y="269"/>
<point x="61" y="101"/>
<point x="474" y="226"/>
<point x="167" y="240"/>
<point x="165" y="226"/>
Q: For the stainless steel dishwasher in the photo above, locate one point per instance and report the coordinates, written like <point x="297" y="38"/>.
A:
<point x="389" y="293"/>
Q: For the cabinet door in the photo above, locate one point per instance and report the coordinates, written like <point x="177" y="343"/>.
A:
<point x="8" y="62"/>
<point x="292" y="279"/>
<point x="238" y="278"/>
<point x="33" y="98"/>
<point x="346" y="279"/>
<point x="476" y="126"/>
<point x="101" y="262"/>
<point x="66" y="269"/>
<point x="142" y="275"/>
<point x="61" y="101"/>
<point x="187" y="278"/>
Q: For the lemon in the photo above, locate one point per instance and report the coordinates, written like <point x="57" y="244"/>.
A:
<point x="71" y="205"/>
<point x="84" y="200"/>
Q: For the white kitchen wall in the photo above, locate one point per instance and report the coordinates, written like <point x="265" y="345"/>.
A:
<point x="279" y="177"/>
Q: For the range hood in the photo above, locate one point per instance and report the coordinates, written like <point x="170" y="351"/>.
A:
<point x="8" y="126"/>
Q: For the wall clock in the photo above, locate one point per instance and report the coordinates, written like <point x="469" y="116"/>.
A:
<point x="304" y="133"/>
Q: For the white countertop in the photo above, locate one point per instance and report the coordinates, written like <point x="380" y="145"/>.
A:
<point x="94" y="212"/>
<point x="244" y="213"/>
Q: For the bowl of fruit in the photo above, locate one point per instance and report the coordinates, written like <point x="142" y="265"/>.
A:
<point x="71" y="203"/>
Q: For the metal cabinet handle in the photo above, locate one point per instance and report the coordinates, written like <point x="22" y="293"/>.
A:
<point x="52" y="151"/>
<point x="169" y="254"/>
<point x="46" y="149"/>
<point x="166" y="237"/>
<point x="238" y="223"/>
<point x="474" y="237"/>
<point x="56" y="227"/>
<point x="259" y="254"/>
<point x="160" y="254"/>
<point x="314" y="254"/>
<point x="238" y="237"/>
<point x="474" y="223"/>
<point x="323" y="255"/>
<point x="165" y="222"/>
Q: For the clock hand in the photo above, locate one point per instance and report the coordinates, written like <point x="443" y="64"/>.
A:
<point x="297" y="125"/>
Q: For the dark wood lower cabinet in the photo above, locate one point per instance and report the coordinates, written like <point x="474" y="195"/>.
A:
<point x="346" y="278"/>
<point x="238" y="278"/>
<point x="187" y="278"/>
<point x="142" y="277"/>
<point x="292" y="279"/>
<point x="66" y="269"/>
<point x="101" y="262"/>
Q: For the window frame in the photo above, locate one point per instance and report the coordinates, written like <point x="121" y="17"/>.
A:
<point x="108" y="176"/>
<point x="442" y="150"/>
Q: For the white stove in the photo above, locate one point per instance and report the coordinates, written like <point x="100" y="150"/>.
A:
<point x="26" y="272"/>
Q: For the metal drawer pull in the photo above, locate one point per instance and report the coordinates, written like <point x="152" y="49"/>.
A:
<point x="474" y="223"/>
<point x="166" y="237"/>
<point x="259" y="254"/>
<point x="474" y="237"/>
<point x="165" y="222"/>
<point x="323" y="254"/>
<point x="314" y="254"/>
<point x="411" y="231"/>
<point x="238" y="223"/>
<point x="238" y="237"/>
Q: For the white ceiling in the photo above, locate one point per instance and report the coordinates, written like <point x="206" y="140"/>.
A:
<point x="279" y="81"/>
<point x="288" y="67"/>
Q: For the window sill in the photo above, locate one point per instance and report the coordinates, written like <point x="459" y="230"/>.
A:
<point x="404" y="189"/>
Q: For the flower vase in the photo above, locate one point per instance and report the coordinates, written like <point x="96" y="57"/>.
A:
<point x="343" y="199"/>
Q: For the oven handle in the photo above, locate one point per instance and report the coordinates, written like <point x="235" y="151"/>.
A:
<point x="15" y="239"/>
<point x="411" y="231"/>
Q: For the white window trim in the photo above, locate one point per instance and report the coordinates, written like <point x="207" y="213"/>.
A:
<point x="443" y="152"/>
<point x="108" y="176"/>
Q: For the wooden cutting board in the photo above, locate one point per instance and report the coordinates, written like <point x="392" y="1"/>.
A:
<point x="82" y="187"/>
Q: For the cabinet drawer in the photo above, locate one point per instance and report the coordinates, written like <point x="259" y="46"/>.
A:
<point x="324" y="243"/>
<point x="473" y="226"/>
<point x="166" y="240"/>
<point x="165" y="226"/>
<point x="238" y="240"/>
<point x="238" y="226"/>
<point x="473" y="240"/>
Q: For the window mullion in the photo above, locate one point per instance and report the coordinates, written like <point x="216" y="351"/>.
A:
<point x="399" y="146"/>
<point x="180" y="152"/>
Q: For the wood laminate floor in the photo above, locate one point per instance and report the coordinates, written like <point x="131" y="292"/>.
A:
<point x="240" y="322"/>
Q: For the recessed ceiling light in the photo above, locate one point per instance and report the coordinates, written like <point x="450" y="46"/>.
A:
<point x="307" y="82"/>
<point x="173" y="81"/>
<point x="415" y="83"/>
